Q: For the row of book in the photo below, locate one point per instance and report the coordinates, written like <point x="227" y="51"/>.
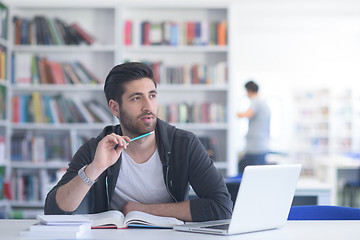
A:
<point x="178" y="33"/>
<point x="211" y="74"/>
<point x="31" y="184"/>
<point x="25" y="186"/>
<point x="35" y="69"/>
<point x="40" y="148"/>
<point x="41" y="30"/>
<point x="43" y="108"/>
<point x="4" y="16"/>
<point x="183" y="112"/>
<point x="2" y="102"/>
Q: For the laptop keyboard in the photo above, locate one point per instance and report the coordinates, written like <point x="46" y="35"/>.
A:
<point x="221" y="227"/>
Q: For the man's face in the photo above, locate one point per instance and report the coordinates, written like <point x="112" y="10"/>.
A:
<point x="138" y="111"/>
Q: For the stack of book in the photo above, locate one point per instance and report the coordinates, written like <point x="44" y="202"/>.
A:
<point x="58" y="227"/>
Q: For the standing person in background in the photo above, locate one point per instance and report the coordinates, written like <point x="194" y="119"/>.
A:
<point x="257" y="138"/>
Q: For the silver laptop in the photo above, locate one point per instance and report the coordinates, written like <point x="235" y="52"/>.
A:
<point x="263" y="201"/>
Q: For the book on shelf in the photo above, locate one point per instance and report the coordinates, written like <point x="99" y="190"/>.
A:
<point x="42" y="30"/>
<point x="3" y="102"/>
<point x="2" y="156"/>
<point x="190" y="74"/>
<point x="191" y="33"/>
<point x="204" y="112"/>
<point x="89" y="39"/>
<point x="43" y="108"/>
<point x="211" y="145"/>
<point x="40" y="70"/>
<point x="3" y="65"/>
<point x="4" y="16"/>
<point x="2" y="177"/>
<point x="128" y="33"/>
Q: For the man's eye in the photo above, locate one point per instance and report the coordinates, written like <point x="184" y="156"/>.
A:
<point x="153" y="96"/>
<point x="136" y="98"/>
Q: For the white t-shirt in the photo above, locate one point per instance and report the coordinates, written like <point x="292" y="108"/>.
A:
<point x="143" y="183"/>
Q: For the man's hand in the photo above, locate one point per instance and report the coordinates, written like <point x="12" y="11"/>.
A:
<point x="180" y="210"/>
<point x="106" y="154"/>
<point x="133" y="206"/>
<point x="70" y="195"/>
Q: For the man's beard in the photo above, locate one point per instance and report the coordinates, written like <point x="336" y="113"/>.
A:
<point x="135" y="127"/>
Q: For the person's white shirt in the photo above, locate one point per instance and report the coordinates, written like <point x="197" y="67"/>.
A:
<point x="142" y="183"/>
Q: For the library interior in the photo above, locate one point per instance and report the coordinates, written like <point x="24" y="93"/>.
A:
<point x="303" y="55"/>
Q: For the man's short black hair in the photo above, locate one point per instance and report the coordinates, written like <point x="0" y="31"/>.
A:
<point x="122" y="73"/>
<point x="252" y="87"/>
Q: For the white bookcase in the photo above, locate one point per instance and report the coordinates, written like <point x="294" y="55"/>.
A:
<point x="190" y="93"/>
<point x="4" y="110"/>
<point x="327" y="123"/>
<point x="105" y="21"/>
<point x="34" y="174"/>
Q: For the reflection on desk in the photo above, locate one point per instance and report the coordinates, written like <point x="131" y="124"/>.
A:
<point x="293" y="230"/>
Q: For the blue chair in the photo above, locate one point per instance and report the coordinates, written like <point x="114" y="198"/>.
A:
<point x="323" y="212"/>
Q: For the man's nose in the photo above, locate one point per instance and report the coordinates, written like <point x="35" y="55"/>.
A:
<point x="146" y="105"/>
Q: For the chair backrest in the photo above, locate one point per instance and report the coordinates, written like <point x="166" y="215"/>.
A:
<point x="323" y="212"/>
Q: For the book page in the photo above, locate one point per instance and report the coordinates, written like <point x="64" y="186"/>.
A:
<point x="109" y="217"/>
<point x="141" y="218"/>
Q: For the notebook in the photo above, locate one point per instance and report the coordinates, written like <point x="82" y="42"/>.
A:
<point x="263" y="202"/>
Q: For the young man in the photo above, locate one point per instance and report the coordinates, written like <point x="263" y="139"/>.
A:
<point x="257" y="138"/>
<point x="151" y="174"/>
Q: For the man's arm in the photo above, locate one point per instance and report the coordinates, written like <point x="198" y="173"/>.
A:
<point x="69" y="196"/>
<point x="247" y="114"/>
<point x="179" y="210"/>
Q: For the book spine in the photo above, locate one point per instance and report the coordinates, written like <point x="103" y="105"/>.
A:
<point x="38" y="110"/>
<point x="83" y="34"/>
<point x="3" y="65"/>
<point x="128" y="33"/>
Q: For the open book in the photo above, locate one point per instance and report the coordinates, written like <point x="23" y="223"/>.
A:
<point x="132" y="219"/>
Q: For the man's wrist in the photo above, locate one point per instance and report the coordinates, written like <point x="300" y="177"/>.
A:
<point x="84" y="177"/>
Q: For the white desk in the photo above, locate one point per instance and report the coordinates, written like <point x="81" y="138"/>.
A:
<point x="293" y="230"/>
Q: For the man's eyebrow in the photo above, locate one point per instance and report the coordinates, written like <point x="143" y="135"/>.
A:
<point x="140" y="93"/>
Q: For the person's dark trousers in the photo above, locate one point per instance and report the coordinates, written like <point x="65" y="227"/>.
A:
<point x="251" y="159"/>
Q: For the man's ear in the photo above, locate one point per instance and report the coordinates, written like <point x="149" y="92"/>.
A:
<point x="114" y="107"/>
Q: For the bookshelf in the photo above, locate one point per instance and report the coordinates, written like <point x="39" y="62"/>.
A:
<point x="195" y="84"/>
<point x="4" y="110"/>
<point x="42" y="140"/>
<point x="327" y="123"/>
